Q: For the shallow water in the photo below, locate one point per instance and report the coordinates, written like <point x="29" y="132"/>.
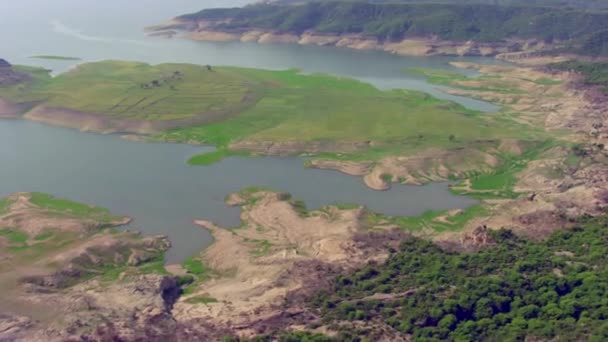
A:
<point x="151" y="181"/>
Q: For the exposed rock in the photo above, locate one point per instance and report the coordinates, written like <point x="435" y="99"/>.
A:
<point x="8" y="75"/>
<point x="206" y="30"/>
<point x="13" y="328"/>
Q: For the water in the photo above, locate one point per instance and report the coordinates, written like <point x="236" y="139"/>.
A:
<point x="152" y="182"/>
<point x="113" y="29"/>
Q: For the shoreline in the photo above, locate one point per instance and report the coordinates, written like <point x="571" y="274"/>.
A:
<point x="415" y="46"/>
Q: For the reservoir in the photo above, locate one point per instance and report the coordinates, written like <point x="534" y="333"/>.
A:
<point x="151" y="182"/>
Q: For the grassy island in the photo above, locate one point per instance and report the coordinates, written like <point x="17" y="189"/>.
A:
<point x="58" y="58"/>
<point x="239" y="109"/>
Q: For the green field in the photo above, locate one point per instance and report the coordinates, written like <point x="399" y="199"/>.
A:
<point x="137" y="91"/>
<point x="223" y="105"/>
<point x="325" y="108"/>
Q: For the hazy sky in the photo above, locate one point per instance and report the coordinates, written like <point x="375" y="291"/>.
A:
<point x="27" y="12"/>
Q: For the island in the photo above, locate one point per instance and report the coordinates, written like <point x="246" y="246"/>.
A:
<point x="56" y="58"/>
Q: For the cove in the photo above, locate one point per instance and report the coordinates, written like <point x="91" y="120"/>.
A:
<point x="152" y="183"/>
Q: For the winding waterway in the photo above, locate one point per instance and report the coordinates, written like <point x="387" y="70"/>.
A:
<point x="151" y="181"/>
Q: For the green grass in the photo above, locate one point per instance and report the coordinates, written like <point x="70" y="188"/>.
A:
<point x="36" y="248"/>
<point x="138" y="91"/>
<point x="428" y="219"/>
<point x="14" y="237"/>
<point x="452" y="79"/>
<point x="156" y="266"/>
<point x="68" y="207"/>
<point x="59" y="58"/>
<point x="195" y="266"/>
<point x="210" y="158"/>
<point x="499" y="183"/>
<point x="546" y="81"/>
<point x="326" y="109"/>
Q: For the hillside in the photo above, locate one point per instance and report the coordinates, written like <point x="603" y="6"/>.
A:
<point x="569" y="30"/>
<point x="581" y="4"/>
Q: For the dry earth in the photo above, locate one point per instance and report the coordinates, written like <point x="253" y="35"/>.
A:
<point x="279" y="256"/>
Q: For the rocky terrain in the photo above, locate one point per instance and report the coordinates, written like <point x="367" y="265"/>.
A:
<point x="9" y="76"/>
<point x="204" y="30"/>
<point x="66" y="274"/>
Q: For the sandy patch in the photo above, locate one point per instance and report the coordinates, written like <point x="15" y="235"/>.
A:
<point x="274" y="241"/>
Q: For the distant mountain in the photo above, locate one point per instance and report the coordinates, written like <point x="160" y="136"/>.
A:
<point x="581" y="4"/>
<point x="572" y="30"/>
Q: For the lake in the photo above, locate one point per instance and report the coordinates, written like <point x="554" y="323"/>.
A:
<point x="151" y="182"/>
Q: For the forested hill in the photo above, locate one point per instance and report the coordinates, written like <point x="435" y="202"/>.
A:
<point x="581" y="4"/>
<point x="582" y="31"/>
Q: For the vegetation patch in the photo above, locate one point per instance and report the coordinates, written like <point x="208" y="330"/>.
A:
<point x="489" y="83"/>
<point x="327" y="111"/>
<point x="595" y="74"/>
<point x="436" y="221"/>
<point x="210" y="158"/>
<point x="197" y="267"/>
<point x="68" y="207"/>
<point x="513" y="290"/>
<point x="585" y="32"/>
<point x="499" y="182"/>
<point x="237" y="109"/>
<point x="14" y="237"/>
